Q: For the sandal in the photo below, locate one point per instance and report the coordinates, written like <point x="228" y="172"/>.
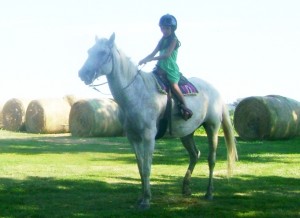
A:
<point x="185" y="112"/>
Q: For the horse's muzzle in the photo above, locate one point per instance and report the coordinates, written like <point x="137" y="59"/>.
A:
<point x="84" y="76"/>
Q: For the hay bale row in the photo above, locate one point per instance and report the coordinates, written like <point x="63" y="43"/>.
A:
<point x="14" y="114"/>
<point x="270" y="117"/>
<point x="95" y="117"/>
<point x="92" y="117"/>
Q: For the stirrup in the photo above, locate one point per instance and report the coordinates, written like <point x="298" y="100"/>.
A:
<point x="185" y="112"/>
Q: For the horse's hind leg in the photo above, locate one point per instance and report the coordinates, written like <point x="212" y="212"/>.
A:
<point x="189" y="143"/>
<point x="212" y="134"/>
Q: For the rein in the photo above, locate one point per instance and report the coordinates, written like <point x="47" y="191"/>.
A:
<point x="138" y="73"/>
<point x="93" y="86"/>
<point x="101" y="84"/>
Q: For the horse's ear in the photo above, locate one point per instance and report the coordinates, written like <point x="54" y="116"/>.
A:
<point x="111" y="40"/>
<point x="96" y="38"/>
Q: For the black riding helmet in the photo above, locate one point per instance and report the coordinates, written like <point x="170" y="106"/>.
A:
<point x="168" y="20"/>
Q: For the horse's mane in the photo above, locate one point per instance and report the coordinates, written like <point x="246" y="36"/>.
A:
<point x="130" y="69"/>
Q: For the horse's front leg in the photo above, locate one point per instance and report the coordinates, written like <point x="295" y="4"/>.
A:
<point x="144" y="148"/>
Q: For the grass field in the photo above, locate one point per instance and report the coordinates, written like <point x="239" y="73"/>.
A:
<point x="64" y="176"/>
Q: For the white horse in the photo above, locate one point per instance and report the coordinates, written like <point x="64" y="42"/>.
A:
<point x="137" y="95"/>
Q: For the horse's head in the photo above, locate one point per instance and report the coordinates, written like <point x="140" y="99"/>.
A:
<point x="99" y="61"/>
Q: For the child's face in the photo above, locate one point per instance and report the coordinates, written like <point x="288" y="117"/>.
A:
<point x="166" y="30"/>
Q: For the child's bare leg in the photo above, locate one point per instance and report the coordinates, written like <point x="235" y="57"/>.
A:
<point x="186" y="112"/>
<point x="178" y="93"/>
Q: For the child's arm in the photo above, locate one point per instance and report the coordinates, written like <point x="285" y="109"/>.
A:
<point x="168" y="52"/>
<point x="150" y="56"/>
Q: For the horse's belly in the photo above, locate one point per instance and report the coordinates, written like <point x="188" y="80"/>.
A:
<point x="179" y="127"/>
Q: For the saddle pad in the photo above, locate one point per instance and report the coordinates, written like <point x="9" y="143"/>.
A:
<point x="163" y="85"/>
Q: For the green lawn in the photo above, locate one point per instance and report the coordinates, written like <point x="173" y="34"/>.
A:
<point x="64" y="176"/>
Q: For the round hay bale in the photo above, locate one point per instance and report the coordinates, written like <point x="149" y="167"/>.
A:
<point x="95" y="117"/>
<point x="14" y="114"/>
<point x="270" y="117"/>
<point x="48" y="116"/>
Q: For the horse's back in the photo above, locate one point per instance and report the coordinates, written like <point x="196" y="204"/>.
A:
<point x="209" y="96"/>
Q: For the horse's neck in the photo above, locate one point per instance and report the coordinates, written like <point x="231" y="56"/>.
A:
<point x="122" y="78"/>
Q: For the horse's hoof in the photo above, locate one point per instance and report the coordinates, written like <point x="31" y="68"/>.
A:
<point x="208" y="197"/>
<point x="186" y="192"/>
<point x="142" y="205"/>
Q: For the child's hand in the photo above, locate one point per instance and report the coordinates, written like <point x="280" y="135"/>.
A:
<point x="141" y="62"/>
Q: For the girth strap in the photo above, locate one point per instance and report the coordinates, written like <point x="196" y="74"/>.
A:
<point x="166" y="120"/>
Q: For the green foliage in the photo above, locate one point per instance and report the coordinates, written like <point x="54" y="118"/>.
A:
<point x="64" y="176"/>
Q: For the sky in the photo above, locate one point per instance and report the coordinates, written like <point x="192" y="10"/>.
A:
<point x="242" y="47"/>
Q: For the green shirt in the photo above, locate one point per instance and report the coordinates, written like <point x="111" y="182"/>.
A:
<point x="169" y="65"/>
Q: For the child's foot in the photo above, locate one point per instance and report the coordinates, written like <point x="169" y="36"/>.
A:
<point x="185" y="112"/>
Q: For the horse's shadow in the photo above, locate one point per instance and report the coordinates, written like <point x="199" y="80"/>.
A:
<point x="44" y="197"/>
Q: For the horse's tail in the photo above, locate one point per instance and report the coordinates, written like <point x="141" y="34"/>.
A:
<point x="232" y="154"/>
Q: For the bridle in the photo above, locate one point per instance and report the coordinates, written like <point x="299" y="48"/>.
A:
<point x="94" y="86"/>
<point x="110" y="56"/>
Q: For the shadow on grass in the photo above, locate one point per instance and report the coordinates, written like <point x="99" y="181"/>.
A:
<point x="49" y="197"/>
<point x="245" y="196"/>
<point x="267" y="151"/>
<point x="63" y="144"/>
